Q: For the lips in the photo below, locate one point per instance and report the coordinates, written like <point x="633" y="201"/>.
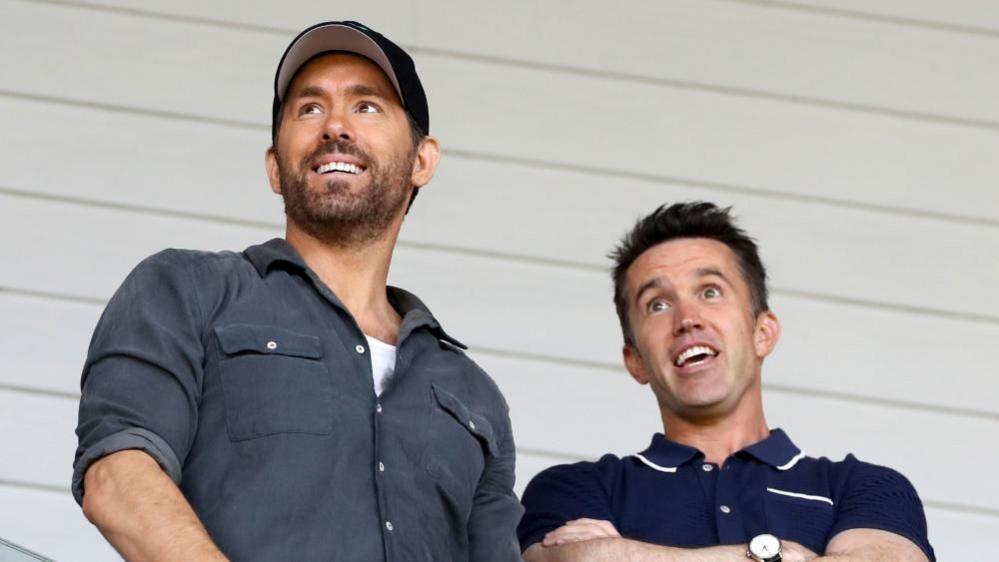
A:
<point x="339" y="166"/>
<point x="694" y="354"/>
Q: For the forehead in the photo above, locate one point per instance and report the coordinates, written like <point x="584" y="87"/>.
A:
<point x="677" y="259"/>
<point x="341" y="70"/>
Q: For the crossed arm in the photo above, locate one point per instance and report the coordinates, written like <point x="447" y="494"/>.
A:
<point x="591" y="540"/>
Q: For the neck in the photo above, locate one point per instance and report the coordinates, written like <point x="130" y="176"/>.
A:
<point x="357" y="275"/>
<point x="718" y="437"/>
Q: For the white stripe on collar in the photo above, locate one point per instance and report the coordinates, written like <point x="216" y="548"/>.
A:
<point x="655" y="466"/>
<point x="802" y="496"/>
<point x="794" y="460"/>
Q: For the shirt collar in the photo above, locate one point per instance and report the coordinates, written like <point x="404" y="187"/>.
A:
<point x="777" y="450"/>
<point x="665" y="455"/>
<point x="414" y="313"/>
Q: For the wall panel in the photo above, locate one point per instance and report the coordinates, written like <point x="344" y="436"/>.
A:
<point x="513" y="112"/>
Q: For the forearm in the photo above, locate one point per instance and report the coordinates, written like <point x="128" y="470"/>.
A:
<point x="142" y="513"/>
<point x="871" y="545"/>
<point x="616" y="549"/>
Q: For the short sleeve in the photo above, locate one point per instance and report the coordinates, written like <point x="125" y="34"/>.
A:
<point x="560" y="494"/>
<point x="877" y="497"/>
<point x="142" y="378"/>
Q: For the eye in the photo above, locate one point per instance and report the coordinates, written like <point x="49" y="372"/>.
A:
<point x="711" y="292"/>
<point x="368" y="107"/>
<point x="310" y="109"/>
<point x="657" y="305"/>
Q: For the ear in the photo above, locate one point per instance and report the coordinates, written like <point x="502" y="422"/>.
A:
<point x="633" y="362"/>
<point x="767" y="333"/>
<point x="273" y="173"/>
<point x="428" y="154"/>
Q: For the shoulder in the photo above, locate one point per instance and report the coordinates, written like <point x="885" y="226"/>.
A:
<point x="173" y="265"/>
<point x="857" y="476"/>
<point x="583" y="476"/>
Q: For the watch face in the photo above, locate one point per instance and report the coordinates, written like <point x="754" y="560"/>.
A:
<point x="764" y="546"/>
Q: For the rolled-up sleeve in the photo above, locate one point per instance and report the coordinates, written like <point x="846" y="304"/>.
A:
<point x="142" y="378"/>
<point x="496" y="510"/>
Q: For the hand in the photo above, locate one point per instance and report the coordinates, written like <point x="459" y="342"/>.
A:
<point x="580" y="530"/>
<point x="791" y="551"/>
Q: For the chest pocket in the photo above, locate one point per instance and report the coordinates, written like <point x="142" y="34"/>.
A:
<point x="274" y="381"/>
<point x="803" y="518"/>
<point x="460" y="443"/>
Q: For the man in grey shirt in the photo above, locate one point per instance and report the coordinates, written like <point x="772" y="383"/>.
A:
<point x="283" y="403"/>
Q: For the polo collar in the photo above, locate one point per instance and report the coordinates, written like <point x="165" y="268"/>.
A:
<point x="665" y="455"/>
<point x="415" y="314"/>
<point x="777" y="450"/>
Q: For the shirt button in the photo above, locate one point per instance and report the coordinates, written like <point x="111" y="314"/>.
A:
<point x="471" y="424"/>
<point x="707" y="467"/>
<point x="388" y="525"/>
<point x="378" y="407"/>
<point x="381" y="466"/>
<point x="725" y="509"/>
<point x="272" y="345"/>
<point x="359" y="348"/>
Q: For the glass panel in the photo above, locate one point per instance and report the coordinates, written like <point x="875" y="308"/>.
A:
<point x="10" y="552"/>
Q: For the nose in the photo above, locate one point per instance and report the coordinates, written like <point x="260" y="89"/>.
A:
<point x="687" y="319"/>
<point x="337" y="127"/>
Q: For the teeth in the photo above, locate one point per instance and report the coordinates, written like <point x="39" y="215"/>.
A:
<point x="338" y="167"/>
<point x="693" y="352"/>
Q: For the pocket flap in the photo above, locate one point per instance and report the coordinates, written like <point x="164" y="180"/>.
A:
<point x="238" y="338"/>
<point x="478" y="425"/>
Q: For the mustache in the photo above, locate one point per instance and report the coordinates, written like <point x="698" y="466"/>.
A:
<point x="338" y="146"/>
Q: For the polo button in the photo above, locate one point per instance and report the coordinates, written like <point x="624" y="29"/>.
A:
<point x="707" y="467"/>
<point x="471" y="424"/>
<point x="359" y="348"/>
<point x="272" y="345"/>
<point x="381" y="466"/>
<point x="388" y="525"/>
<point x="378" y="407"/>
<point x="725" y="509"/>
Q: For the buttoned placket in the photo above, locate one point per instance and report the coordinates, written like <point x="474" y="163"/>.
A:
<point x="728" y="518"/>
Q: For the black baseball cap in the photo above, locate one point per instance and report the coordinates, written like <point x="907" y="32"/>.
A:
<point x="353" y="37"/>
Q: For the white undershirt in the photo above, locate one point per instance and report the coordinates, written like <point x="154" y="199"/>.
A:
<point x="382" y="363"/>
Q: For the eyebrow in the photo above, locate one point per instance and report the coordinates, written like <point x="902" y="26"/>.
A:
<point x="709" y="271"/>
<point x="658" y="283"/>
<point x="654" y="283"/>
<point x="357" y="90"/>
<point x="308" y="92"/>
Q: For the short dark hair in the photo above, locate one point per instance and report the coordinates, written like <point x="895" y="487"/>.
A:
<point x="694" y="219"/>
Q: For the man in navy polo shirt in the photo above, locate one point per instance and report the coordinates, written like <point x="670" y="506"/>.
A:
<point x="691" y="295"/>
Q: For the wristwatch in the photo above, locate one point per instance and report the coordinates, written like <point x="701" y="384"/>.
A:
<point x="764" y="548"/>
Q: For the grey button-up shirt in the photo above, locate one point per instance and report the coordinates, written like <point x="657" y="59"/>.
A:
<point x="249" y="382"/>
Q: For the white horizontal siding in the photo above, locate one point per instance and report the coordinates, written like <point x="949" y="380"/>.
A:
<point x="533" y="114"/>
<point x="50" y="523"/>
<point x="971" y="15"/>
<point x="148" y="162"/>
<point x="743" y="46"/>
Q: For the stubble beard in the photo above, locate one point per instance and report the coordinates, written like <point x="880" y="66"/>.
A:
<point x="335" y="215"/>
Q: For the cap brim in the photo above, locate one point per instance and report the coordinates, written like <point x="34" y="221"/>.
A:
<point x="330" y="37"/>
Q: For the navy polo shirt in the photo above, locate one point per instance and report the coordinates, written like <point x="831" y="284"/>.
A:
<point x="669" y="495"/>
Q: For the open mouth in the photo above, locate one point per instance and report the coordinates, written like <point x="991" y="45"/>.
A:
<point x="337" y="167"/>
<point x="694" y="355"/>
